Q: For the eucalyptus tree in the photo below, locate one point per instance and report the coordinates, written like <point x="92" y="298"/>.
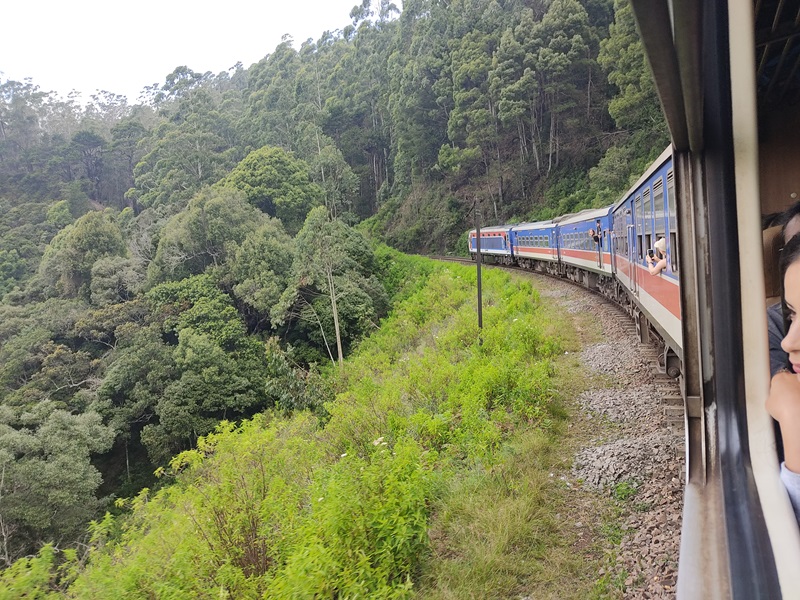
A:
<point x="641" y="129"/>
<point x="421" y="87"/>
<point x="333" y="294"/>
<point x="196" y="147"/>
<point x="268" y="118"/>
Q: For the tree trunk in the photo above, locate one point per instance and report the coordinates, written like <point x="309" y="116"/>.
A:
<point x="335" y="311"/>
<point x="535" y="138"/>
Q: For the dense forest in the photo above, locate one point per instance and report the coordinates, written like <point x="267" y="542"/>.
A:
<point x="212" y="251"/>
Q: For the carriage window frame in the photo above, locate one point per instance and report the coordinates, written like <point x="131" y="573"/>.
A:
<point x="659" y="214"/>
<point x="673" y="220"/>
<point x="648" y="218"/>
<point x="637" y="223"/>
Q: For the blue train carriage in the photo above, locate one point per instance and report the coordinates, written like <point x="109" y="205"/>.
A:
<point x="495" y="245"/>
<point x="535" y="246"/>
<point x="584" y="243"/>
<point x="644" y="215"/>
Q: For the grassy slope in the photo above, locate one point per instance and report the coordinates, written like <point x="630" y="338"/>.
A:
<point x="432" y="475"/>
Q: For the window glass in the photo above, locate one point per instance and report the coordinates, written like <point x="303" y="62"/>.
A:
<point x="638" y="224"/>
<point x="648" y="220"/>
<point x="673" y="216"/>
<point x="658" y="208"/>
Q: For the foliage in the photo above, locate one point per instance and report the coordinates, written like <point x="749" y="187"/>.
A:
<point x="218" y="371"/>
<point x="279" y="507"/>
<point x="277" y="184"/>
<point x="66" y="267"/>
<point x="203" y="235"/>
<point x="411" y="120"/>
<point x="48" y="484"/>
<point x="259" y="271"/>
<point x="333" y="292"/>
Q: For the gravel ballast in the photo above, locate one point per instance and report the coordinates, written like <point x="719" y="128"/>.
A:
<point x="637" y="454"/>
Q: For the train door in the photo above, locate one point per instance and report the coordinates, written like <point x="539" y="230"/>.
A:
<point x="636" y="243"/>
<point x="598" y="229"/>
<point x="613" y="241"/>
<point x="559" y="242"/>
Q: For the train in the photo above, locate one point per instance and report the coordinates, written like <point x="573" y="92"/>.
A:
<point x="605" y="249"/>
<point x="727" y="75"/>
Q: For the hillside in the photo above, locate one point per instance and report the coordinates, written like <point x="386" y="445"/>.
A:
<point x="214" y="254"/>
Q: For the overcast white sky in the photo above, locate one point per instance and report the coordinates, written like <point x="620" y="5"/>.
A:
<point x="121" y="47"/>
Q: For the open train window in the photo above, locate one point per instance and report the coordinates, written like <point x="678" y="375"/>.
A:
<point x="648" y="220"/>
<point x="659" y="214"/>
<point x="673" y="221"/>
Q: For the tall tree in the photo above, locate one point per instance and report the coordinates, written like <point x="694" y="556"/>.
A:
<point x="203" y="235"/>
<point x="333" y="293"/>
<point x="276" y="183"/>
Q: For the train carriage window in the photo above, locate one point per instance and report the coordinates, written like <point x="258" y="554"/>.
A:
<point x="648" y="220"/>
<point x="673" y="221"/>
<point x="658" y="209"/>
<point x="638" y="224"/>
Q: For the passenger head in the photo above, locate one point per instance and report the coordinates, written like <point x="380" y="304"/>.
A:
<point x="790" y="297"/>
<point x="661" y="246"/>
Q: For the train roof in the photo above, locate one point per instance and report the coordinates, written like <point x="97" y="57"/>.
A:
<point x="535" y="225"/>
<point x="647" y="175"/>
<point x="584" y="215"/>
<point x="492" y="229"/>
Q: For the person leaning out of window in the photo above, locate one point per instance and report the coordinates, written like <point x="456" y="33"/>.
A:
<point x="658" y="262"/>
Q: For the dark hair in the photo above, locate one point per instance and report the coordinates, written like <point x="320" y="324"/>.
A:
<point x="786" y="217"/>
<point x="789" y="255"/>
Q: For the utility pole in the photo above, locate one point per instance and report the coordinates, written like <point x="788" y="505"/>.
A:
<point x="478" y="264"/>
